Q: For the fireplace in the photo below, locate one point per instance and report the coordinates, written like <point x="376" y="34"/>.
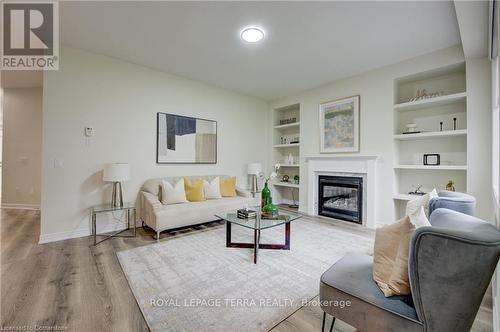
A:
<point x="341" y="197"/>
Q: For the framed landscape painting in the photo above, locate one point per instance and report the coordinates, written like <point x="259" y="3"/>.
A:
<point x="185" y="140"/>
<point x="339" y="125"/>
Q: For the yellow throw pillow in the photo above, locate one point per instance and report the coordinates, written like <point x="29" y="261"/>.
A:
<point x="194" y="190"/>
<point x="228" y="187"/>
<point x="390" y="257"/>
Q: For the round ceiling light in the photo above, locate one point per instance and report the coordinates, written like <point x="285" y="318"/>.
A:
<point x="252" y="34"/>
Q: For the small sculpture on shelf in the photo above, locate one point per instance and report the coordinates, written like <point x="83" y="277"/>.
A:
<point x="422" y="94"/>
<point x="296" y="179"/>
<point x="285" y="178"/>
<point x="450" y="186"/>
<point x="417" y="190"/>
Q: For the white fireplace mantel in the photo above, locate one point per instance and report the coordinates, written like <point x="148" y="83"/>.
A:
<point x="345" y="164"/>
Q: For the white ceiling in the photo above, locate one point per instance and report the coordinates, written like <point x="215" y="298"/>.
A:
<point x="306" y="44"/>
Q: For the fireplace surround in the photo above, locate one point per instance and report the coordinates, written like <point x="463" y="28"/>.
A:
<point x="344" y="165"/>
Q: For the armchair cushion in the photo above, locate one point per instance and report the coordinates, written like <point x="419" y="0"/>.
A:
<point x="350" y="279"/>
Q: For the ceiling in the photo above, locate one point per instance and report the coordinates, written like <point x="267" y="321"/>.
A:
<point x="306" y="44"/>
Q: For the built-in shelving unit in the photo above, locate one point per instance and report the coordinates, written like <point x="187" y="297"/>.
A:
<point x="448" y="139"/>
<point x="286" y="143"/>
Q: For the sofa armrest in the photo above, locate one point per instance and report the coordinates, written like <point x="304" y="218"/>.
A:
<point x="151" y="200"/>
<point x="148" y="204"/>
<point x="243" y="192"/>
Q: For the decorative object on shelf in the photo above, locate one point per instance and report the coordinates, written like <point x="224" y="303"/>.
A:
<point x="450" y="186"/>
<point x="283" y="140"/>
<point x="411" y="128"/>
<point x="290" y="159"/>
<point x="296" y="179"/>
<point x="295" y="139"/>
<point x="454" y="123"/>
<point x="441" y="126"/>
<point x="285" y="178"/>
<point x="417" y="190"/>
<point x="339" y="125"/>
<point x="185" y="140"/>
<point x="266" y="192"/>
<point x="432" y="159"/>
<point x="422" y="94"/>
<point x="116" y="173"/>
<point x="288" y="121"/>
<point x="254" y="170"/>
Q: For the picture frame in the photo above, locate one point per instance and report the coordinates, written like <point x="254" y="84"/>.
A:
<point x="185" y="140"/>
<point x="432" y="159"/>
<point x="339" y="125"/>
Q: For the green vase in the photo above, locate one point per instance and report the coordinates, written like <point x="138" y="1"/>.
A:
<point x="265" y="196"/>
<point x="270" y="210"/>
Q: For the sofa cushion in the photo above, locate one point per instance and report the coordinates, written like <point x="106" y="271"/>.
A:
<point x="212" y="188"/>
<point x="228" y="187"/>
<point x="173" y="216"/>
<point x="173" y="194"/>
<point x="415" y="204"/>
<point x="194" y="190"/>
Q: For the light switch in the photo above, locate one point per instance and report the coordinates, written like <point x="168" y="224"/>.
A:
<point x="89" y="131"/>
<point x="58" y="163"/>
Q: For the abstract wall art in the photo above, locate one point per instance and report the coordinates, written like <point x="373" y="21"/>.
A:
<point x="339" y="125"/>
<point x="185" y="140"/>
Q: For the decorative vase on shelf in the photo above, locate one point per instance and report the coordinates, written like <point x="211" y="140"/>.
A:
<point x="265" y="196"/>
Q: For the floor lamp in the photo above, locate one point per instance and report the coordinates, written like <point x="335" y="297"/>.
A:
<point x="116" y="173"/>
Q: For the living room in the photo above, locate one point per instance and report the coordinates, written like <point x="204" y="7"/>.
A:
<point x="252" y="166"/>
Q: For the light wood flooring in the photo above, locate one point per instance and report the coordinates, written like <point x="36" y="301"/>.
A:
<point x="78" y="287"/>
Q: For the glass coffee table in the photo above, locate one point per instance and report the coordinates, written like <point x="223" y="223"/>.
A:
<point x="257" y="224"/>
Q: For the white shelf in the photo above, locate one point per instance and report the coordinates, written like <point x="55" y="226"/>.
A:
<point x="428" y="167"/>
<point x="405" y="197"/>
<point x="288" y="125"/>
<point x="290" y="165"/>
<point x="430" y="135"/>
<point x="431" y="102"/>
<point x="286" y="184"/>
<point x="286" y="145"/>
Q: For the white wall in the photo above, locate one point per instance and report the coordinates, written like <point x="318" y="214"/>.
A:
<point x="120" y="100"/>
<point x="376" y="89"/>
<point x="479" y="141"/>
<point x="22" y="147"/>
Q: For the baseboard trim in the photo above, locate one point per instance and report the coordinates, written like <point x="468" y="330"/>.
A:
<point x="20" y="206"/>
<point x="79" y="232"/>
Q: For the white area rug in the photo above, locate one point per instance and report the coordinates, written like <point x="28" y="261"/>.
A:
<point x="195" y="283"/>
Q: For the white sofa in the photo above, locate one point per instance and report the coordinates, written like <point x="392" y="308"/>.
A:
<point x="162" y="217"/>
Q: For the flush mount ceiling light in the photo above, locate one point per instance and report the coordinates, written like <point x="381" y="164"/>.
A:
<point x="252" y="34"/>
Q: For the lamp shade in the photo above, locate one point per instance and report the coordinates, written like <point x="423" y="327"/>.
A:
<point x="254" y="168"/>
<point x="116" y="172"/>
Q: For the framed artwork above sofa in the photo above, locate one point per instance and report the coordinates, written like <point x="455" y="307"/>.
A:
<point x="185" y="140"/>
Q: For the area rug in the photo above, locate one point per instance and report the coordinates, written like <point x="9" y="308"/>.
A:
<point x="195" y="283"/>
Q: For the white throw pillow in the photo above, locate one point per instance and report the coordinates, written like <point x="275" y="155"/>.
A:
<point x="173" y="194"/>
<point x="212" y="188"/>
<point x="419" y="219"/>
<point x="414" y="205"/>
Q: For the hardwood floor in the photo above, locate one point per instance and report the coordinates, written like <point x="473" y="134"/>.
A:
<point x="78" y="287"/>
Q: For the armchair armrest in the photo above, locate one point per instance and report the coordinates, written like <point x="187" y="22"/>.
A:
<point x="243" y="192"/>
<point x="148" y="204"/>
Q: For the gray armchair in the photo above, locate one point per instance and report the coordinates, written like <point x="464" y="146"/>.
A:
<point x="450" y="267"/>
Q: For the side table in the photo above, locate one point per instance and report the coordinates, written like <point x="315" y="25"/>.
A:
<point x="128" y="207"/>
